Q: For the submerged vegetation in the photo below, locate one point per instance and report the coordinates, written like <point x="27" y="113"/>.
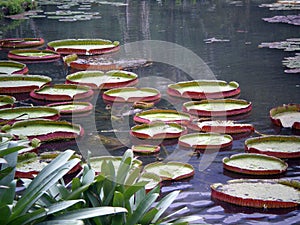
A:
<point x="15" y="6"/>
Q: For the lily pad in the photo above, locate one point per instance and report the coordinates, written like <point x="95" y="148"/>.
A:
<point x="254" y="164"/>
<point x="21" y="42"/>
<point x="289" y="19"/>
<point x="62" y="92"/>
<point x="281" y="146"/>
<point x="217" y="107"/>
<point x="202" y="141"/>
<point x="24" y="113"/>
<point x="101" y="80"/>
<point x="170" y="170"/>
<point x="153" y="180"/>
<point x="33" y="55"/>
<point x="204" y="89"/>
<point x="289" y="45"/>
<point x="163" y="115"/>
<point x="220" y="126"/>
<point x="22" y="84"/>
<point x="292" y="63"/>
<point x="83" y="46"/>
<point x="145" y="149"/>
<point x="6" y="101"/>
<point x="131" y="94"/>
<point x="286" y="116"/>
<point x="72" y="108"/>
<point x="45" y="130"/>
<point x="158" y="130"/>
<point x="12" y="67"/>
<point x="256" y="193"/>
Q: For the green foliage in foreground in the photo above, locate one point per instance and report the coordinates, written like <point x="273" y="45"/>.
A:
<point x="114" y="197"/>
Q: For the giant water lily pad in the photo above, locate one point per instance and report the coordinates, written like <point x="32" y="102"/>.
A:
<point x="289" y="19"/>
<point x="33" y="55"/>
<point x="72" y="108"/>
<point x="281" y="146"/>
<point x="145" y="149"/>
<point x="286" y="116"/>
<point x="158" y="130"/>
<point x="204" y="141"/>
<point x="101" y="80"/>
<point x="153" y="180"/>
<point x="24" y="113"/>
<point x="258" y="193"/>
<point x="6" y="101"/>
<point x="292" y="63"/>
<point x="84" y="46"/>
<point x="170" y="170"/>
<point x="45" y="130"/>
<point x="220" y="126"/>
<point x="289" y="45"/>
<point x="12" y="67"/>
<point x="131" y="94"/>
<point x="21" y="84"/>
<point x="254" y="164"/>
<point x="204" y="89"/>
<point x="217" y="107"/>
<point x="21" y="42"/>
<point x="164" y="115"/>
<point x="62" y="92"/>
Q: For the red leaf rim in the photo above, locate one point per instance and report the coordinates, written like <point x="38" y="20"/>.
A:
<point x="48" y="97"/>
<point x="203" y="147"/>
<point x="272" y="153"/>
<point x="15" y="55"/>
<point x="23" y="89"/>
<point x="87" y="109"/>
<point x="202" y="95"/>
<point x="21" y="42"/>
<point x="138" y="149"/>
<point x="285" y="108"/>
<point x="256" y="203"/>
<point x="89" y="66"/>
<point x="163" y="135"/>
<point x="104" y="86"/>
<point x="137" y="117"/>
<point x="208" y="113"/>
<point x="107" y="97"/>
<point x="253" y="171"/>
<point x="21" y="68"/>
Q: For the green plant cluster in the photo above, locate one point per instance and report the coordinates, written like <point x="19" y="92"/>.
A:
<point x="116" y="196"/>
<point x="13" y="7"/>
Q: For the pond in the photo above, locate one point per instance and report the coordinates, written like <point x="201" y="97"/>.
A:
<point x="183" y="25"/>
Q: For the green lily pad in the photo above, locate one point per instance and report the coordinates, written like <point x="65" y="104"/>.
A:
<point x="255" y="164"/>
<point x="145" y="149"/>
<point x="72" y="108"/>
<point x="33" y="55"/>
<point x="286" y="116"/>
<point x="153" y="180"/>
<point x="21" y="42"/>
<point x="12" y="67"/>
<point x="256" y="193"/>
<point x="6" y="101"/>
<point x="170" y="170"/>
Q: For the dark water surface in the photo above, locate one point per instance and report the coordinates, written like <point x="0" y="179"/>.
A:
<point x="187" y="23"/>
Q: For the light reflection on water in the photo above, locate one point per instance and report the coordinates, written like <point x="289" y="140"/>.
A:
<point x="258" y="71"/>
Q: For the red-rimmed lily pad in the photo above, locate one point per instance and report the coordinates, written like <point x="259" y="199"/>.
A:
<point x="45" y="130"/>
<point x="170" y="170"/>
<point x="258" y="193"/>
<point x="202" y="141"/>
<point x="21" y="42"/>
<point x="30" y="164"/>
<point x="145" y="149"/>
<point x="101" y="80"/>
<point x="22" y="84"/>
<point x="286" y="116"/>
<point x="204" y="89"/>
<point x="12" y="67"/>
<point x="6" y="101"/>
<point x="23" y="113"/>
<point x="131" y="94"/>
<point x="281" y="146"/>
<point x="84" y="46"/>
<point x="62" y="92"/>
<point x="158" y="130"/>
<point x="220" y="126"/>
<point x="33" y="55"/>
<point x="254" y="164"/>
<point x="72" y="108"/>
<point x="217" y="107"/>
<point x="163" y="115"/>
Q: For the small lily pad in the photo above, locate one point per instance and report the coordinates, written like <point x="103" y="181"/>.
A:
<point x="281" y="146"/>
<point x="170" y="170"/>
<point x="21" y="42"/>
<point x="73" y="108"/>
<point x="286" y="116"/>
<point x="33" y="55"/>
<point x="256" y="193"/>
<point x="254" y="164"/>
<point x="145" y="149"/>
<point x="12" y="67"/>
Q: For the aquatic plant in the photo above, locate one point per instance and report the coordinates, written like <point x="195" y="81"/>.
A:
<point x="13" y="7"/>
